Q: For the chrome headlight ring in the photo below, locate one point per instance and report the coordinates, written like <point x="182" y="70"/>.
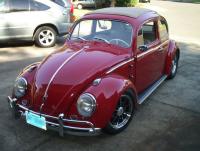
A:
<point x="20" y="87"/>
<point x="86" y="104"/>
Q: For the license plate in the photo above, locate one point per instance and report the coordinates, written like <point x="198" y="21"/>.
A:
<point x="36" y="120"/>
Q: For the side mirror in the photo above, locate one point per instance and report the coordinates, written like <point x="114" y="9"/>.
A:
<point x="143" y="48"/>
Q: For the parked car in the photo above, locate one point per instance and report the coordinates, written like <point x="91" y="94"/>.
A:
<point x="37" y="20"/>
<point x="65" y="3"/>
<point x="113" y="60"/>
<point x="144" y="1"/>
<point x="83" y="3"/>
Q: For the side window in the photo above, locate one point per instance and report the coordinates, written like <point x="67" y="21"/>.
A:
<point x="147" y="34"/>
<point x="18" y="5"/>
<point x="37" y="6"/>
<point x="163" y="30"/>
<point x="59" y="2"/>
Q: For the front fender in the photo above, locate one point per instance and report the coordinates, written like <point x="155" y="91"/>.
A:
<point x="173" y="49"/>
<point x="107" y="94"/>
<point x="28" y="73"/>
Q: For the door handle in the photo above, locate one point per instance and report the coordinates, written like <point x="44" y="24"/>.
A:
<point x="160" y="49"/>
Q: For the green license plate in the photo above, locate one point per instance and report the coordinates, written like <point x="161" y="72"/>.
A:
<point x="36" y="120"/>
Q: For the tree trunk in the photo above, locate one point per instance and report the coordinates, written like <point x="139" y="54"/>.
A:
<point x="113" y="2"/>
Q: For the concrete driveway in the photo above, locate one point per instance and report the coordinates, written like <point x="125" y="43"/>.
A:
<point x="168" y="121"/>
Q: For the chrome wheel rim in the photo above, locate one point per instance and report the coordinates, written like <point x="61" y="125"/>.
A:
<point x="46" y="37"/>
<point x="80" y="6"/>
<point x="174" y="65"/>
<point x="123" y="112"/>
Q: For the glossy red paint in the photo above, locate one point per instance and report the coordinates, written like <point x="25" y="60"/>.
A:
<point x="94" y="60"/>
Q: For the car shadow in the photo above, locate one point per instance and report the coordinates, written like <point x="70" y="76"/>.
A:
<point x="16" y="43"/>
<point x="25" y="43"/>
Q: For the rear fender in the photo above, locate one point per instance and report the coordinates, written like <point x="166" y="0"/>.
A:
<point x="173" y="49"/>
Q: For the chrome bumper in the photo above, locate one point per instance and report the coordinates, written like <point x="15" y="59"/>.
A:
<point x="19" y="111"/>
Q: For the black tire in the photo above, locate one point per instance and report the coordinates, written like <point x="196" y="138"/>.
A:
<point x="49" y="35"/>
<point x="127" y="115"/>
<point x="174" y="67"/>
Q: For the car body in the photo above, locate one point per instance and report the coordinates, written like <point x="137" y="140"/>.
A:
<point x="65" y="3"/>
<point x="37" y="20"/>
<point x="83" y="3"/>
<point x="113" y="60"/>
<point x="145" y="1"/>
<point x="90" y="4"/>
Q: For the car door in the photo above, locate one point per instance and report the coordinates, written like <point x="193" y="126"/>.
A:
<point x="148" y="62"/>
<point x="18" y="19"/>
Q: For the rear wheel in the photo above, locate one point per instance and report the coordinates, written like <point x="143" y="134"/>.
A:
<point x="79" y="6"/>
<point x="174" y="67"/>
<point x="45" y="37"/>
<point x="121" y="116"/>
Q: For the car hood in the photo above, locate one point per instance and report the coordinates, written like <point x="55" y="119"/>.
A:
<point x="64" y="75"/>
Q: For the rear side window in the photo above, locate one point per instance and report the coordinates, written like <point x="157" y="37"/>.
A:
<point x="18" y="5"/>
<point x="163" y="30"/>
<point x="37" y="6"/>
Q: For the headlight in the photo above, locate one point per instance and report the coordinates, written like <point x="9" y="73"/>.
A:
<point x="86" y="104"/>
<point x="20" y="87"/>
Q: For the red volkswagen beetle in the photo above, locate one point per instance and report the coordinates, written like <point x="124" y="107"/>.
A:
<point x="112" y="61"/>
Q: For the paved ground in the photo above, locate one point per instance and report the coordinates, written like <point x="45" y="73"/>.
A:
<point x="169" y="120"/>
<point x="183" y="19"/>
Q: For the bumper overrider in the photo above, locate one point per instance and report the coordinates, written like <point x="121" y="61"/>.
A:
<point x="20" y="111"/>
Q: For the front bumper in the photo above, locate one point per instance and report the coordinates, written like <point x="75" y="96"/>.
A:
<point x="19" y="111"/>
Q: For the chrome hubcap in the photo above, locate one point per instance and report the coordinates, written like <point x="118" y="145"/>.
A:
<point x="174" y="65"/>
<point x="46" y="37"/>
<point x="122" y="113"/>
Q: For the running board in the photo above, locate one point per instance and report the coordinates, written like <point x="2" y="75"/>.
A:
<point x="143" y="96"/>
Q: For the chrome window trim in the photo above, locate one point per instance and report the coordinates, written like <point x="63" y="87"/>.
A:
<point x="152" y="49"/>
<point x="119" y="65"/>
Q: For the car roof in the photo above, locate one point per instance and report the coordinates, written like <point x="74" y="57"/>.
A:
<point x="133" y="12"/>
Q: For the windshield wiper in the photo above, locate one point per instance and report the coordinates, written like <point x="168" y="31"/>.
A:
<point x="102" y="39"/>
<point x="81" y="38"/>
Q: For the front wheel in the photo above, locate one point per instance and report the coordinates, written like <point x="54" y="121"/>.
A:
<point x="174" y="67"/>
<point x="45" y="37"/>
<point x="121" y="116"/>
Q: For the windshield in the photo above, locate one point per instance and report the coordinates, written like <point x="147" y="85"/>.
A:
<point x="108" y="31"/>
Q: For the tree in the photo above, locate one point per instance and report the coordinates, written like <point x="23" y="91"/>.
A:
<point x="113" y="3"/>
<point x="125" y="3"/>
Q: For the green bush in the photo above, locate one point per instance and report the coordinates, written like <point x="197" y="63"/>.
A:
<point x="126" y="3"/>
